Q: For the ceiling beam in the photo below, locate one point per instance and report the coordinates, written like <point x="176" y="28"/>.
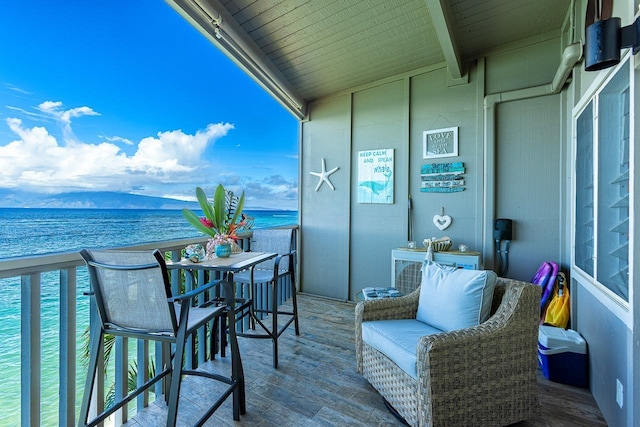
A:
<point x="217" y="24"/>
<point x="443" y="24"/>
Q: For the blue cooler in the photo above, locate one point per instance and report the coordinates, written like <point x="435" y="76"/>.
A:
<point x="562" y="356"/>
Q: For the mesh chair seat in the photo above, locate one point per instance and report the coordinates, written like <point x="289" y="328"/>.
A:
<point x="199" y="316"/>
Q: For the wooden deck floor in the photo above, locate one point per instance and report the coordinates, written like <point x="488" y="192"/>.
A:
<point x="316" y="383"/>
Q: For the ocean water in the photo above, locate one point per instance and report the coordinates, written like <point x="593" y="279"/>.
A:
<point x="28" y="232"/>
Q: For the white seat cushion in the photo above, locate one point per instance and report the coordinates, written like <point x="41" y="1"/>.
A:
<point x="454" y="298"/>
<point x="398" y="340"/>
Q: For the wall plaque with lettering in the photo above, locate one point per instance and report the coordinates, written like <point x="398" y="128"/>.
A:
<point x="375" y="176"/>
<point x="440" y="143"/>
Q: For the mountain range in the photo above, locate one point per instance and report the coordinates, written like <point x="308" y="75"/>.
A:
<point x="89" y="200"/>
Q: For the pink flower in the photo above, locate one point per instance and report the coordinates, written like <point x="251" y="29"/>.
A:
<point x="221" y="239"/>
<point x="206" y="222"/>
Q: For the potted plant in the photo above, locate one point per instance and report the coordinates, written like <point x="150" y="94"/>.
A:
<point x="222" y="220"/>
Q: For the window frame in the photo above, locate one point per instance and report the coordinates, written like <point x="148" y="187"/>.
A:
<point x="618" y="305"/>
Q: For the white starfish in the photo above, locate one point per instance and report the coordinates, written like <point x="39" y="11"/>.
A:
<point x="324" y="175"/>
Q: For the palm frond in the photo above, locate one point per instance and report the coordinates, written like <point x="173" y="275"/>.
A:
<point x="235" y="204"/>
<point x="132" y="382"/>
<point x="109" y="342"/>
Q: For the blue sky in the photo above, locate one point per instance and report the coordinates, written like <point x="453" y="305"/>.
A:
<point x="122" y="95"/>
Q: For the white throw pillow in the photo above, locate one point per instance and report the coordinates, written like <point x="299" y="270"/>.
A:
<point x="454" y="298"/>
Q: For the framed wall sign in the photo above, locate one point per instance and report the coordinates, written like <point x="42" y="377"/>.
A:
<point x="442" y="177"/>
<point x="440" y="143"/>
<point x="375" y="176"/>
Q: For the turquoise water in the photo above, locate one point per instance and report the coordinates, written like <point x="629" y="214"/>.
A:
<point x="27" y="232"/>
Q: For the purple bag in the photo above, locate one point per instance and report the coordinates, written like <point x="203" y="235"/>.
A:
<point x="542" y="275"/>
<point x="545" y="277"/>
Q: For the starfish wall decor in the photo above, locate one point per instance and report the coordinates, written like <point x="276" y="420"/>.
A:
<point x="324" y="175"/>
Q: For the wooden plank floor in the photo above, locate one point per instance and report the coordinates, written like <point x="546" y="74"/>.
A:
<point x="316" y="383"/>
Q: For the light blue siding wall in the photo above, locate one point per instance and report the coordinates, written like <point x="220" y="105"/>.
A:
<point x="435" y="105"/>
<point x="394" y="114"/>
<point x="325" y="214"/>
<point x="346" y="245"/>
<point x="379" y="122"/>
<point x="529" y="147"/>
<point x="613" y="335"/>
<point x="608" y="346"/>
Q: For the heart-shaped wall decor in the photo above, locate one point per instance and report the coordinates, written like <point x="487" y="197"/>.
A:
<point x="442" y="221"/>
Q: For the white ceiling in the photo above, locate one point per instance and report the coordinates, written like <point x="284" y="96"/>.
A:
<point x="313" y="48"/>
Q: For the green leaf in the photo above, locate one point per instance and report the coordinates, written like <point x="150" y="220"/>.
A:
<point x="219" y="209"/>
<point x="194" y="220"/>
<point x="204" y="204"/>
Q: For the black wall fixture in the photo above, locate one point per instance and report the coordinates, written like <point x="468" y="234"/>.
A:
<point x="502" y="232"/>
<point x="604" y="36"/>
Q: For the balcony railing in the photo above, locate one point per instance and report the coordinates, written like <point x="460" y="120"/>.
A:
<point x="67" y="272"/>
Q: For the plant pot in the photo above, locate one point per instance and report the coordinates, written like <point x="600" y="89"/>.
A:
<point x="223" y="251"/>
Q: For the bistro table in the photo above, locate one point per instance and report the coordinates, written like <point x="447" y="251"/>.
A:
<point x="225" y="268"/>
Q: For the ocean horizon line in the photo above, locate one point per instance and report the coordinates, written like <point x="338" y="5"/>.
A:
<point x="246" y="209"/>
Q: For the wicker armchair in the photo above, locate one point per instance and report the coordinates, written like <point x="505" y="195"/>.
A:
<point x="483" y="375"/>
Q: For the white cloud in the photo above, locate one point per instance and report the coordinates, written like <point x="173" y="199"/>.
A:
<point x="36" y="161"/>
<point x="117" y="139"/>
<point x="169" y="164"/>
<point x="274" y="192"/>
<point x="172" y="145"/>
<point x="38" y="116"/>
<point x="53" y="109"/>
<point x="17" y="89"/>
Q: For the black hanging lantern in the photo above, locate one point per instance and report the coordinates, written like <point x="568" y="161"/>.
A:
<point x="605" y="38"/>
<point x="602" y="44"/>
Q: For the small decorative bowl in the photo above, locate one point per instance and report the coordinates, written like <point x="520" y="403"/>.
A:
<point x="438" y="245"/>
<point x="442" y="246"/>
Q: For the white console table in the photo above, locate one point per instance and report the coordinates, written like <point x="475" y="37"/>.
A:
<point x="406" y="265"/>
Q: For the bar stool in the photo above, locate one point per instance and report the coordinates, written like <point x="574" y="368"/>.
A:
<point x="269" y="284"/>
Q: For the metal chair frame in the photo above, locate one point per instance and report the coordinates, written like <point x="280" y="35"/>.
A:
<point x="272" y="331"/>
<point x="173" y="369"/>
